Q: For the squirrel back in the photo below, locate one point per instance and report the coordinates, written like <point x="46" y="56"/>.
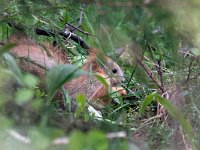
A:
<point x="37" y="59"/>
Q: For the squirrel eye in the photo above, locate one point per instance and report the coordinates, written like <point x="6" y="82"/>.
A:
<point x="114" y="70"/>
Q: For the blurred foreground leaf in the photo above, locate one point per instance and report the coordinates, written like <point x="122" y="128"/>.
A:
<point x="94" y="140"/>
<point x="23" y="96"/>
<point x="59" y="75"/>
<point x="6" y="48"/>
<point x="5" y="123"/>
<point x="40" y="141"/>
<point x="81" y="104"/>
<point x="30" y="80"/>
<point x="77" y="140"/>
<point x="102" y="80"/>
<point x="12" y="65"/>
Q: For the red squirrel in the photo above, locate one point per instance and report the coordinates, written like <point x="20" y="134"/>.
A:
<point x="44" y="58"/>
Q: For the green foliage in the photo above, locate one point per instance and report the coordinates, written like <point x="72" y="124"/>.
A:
<point x="37" y="138"/>
<point x="30" y="81"/>
<point x="23" y="96"/>
<point x="81" y="105"/>
<point x="6" y="48"/>
<point x="12" y="65"/>
<point x="26" y="94"/>
<point x="6" y="123"/>
<point x="95" y="140"/>
<point x="102" y="80"/>
<point x="172" y="110"/>
<point x="162" y="34"/>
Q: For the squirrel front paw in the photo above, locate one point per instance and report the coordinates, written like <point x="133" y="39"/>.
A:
<point x="119" y="90"/>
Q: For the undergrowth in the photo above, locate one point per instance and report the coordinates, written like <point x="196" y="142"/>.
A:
<point x="161" y="64"/>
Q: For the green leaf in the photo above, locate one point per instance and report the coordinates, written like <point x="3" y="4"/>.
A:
<point x="30" y="80"/>
<point x="77" y="140"/>
<point x="23" y="96"/>
<point x="37" y="104"/>
<point x="102" y="80"/>
<point x="81" y="104"/>
<point x="39" y="140"/>
<point x="59" y="75"/>
<point x="9" y="81"/>
<point x="97" y="140"/>
<point x="39" y="93"/>
<point x="12" y="65"/>
<point x="94" y="140"/>
<point x="5" y="123"/>
<point x="6" y="48"/>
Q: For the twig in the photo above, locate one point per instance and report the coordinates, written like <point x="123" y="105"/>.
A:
<point x="189" y="71"/>
<point x="19" y="137"/>
<point x="195" y="77"/>
<point x="19" y="27"/>
<point x="60" y="141"/>
<point x="114" y="135"/>
<point x="149" y="73"/>
<point x="152" y="118"/>
<point x="187" y="53"/>
<point x="72" y="28"/>
<point x="114" y="4"/>
<point x="76" y="28"/>
<point x="151" y="50"/>
<point x="160" y="73"/>
<point x="80" y="19"/>
<point x="158" y="67"/>
<point x="65" y="34"/>
<point x="75" y="38"/>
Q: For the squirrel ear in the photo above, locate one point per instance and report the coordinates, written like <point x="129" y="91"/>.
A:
<point x="119" y="52"/>
<point x="93" y="51"/>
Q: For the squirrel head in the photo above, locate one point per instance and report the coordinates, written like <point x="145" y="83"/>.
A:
<point x="105" y="67"/>
<point x="114" y="72"/>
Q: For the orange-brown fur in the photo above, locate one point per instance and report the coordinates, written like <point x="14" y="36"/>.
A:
<point x="26" y="48"/>
<point x="95" y="92"/>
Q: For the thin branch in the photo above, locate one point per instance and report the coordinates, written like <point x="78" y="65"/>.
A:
<point x="151" y="50"/>
<point x="160" y="73"/>
<point x="72" y="28"/>
<point x="19" y="137"/>
<point x="18" y="27"/>
<point x="158" y="66"/>
<point x="113" y="4"/>
<point x="75" y="38"/>
<point x="189" y="71"/>
<point x="80" y="19"/>
<point x="65" y="34"/>
<point x="195" y="77"/>
<point x="149" y="73"/>
<point x="39" y="31"/>
<point x="68" y="25"/>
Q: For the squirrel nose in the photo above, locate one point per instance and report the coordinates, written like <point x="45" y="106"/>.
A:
<point x="123" y="79"/>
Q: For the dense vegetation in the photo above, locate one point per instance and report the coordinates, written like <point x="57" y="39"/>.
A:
<point x="161" y="65"/>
